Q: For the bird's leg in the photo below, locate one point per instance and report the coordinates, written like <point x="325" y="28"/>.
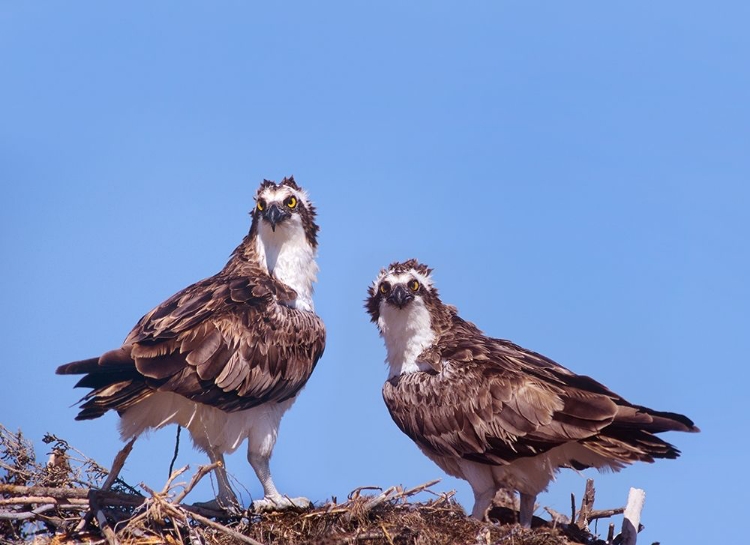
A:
<point x="261" y="465"/>
<point x="482" y="484"/>
<point x="225" y="500"/>
<point x="272" y="500"/>
<point x="482" y="502"/>
<point x="526" y="511"/>
<point x="259" y="450"/>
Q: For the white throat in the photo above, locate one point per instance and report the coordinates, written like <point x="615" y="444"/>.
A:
<point x="406" y="332"/>
<point x="288" y="257"/>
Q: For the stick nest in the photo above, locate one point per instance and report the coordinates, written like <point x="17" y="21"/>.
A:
<point x="61" y="501"/>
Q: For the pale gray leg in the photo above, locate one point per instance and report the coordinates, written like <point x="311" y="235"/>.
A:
<point x="482" y="484"/>
<point x="482" y="502"/>
<point x="272" y="500"/>
<point x="260" y="443"/>
<point x="527" y="509"/>
<point x="225" y="499"/>
<point x="261" y="465"/>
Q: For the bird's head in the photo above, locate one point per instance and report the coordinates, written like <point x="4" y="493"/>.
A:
<point x="399" y="288"/>
<point x="283" y="210"/>
<point x="405" y="305"/>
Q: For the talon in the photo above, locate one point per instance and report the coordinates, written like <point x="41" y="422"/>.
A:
<point x="280" y="503"/>
<point x="232" y="508"/>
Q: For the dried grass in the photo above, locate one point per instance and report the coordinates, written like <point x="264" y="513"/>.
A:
<point x="46" y="503"/>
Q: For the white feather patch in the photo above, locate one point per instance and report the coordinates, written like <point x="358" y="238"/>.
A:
<point x="209" y="427"/>
<point x="289" y="257"/>
<point x="406" y="332"/>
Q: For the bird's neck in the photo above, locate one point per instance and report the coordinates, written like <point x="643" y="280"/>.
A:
<point x="288" y="256"/>
<point x="407" y="333"/>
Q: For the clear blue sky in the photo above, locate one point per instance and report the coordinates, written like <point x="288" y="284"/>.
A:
<point x="578" y="174"/>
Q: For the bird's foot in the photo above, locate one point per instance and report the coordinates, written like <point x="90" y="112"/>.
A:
<point x="230" y="507"/>
<point x="280" y="503"/>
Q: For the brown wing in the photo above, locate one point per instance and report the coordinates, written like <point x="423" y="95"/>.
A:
<point x="494" y="401"/>
<point x="226" y="342"/>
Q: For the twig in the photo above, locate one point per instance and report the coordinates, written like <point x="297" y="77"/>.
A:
<point x="109" y="534"/>
<point x="418" y="489"/>
<point x="172" y="477"/>
<point x="374" y="502"/>
<point x="215" y="525"/>
<point x="58" y="493"/>
<point x="354" y="494"/>
<point x="392" y="493"/>
<point x="587" y="505"/>
<point x="19" y="471"/>
<point x="110" y="497"/>
<point x="387" y="535"/>
<point x="7" y="515"/>
<point x="117" y="465"/>
<point x="202" y="472"/>
<point x="23" y="500"/>
<point x="557" y="517"/>
<point x="605" y="513"/>
<point x="572" y="506"/>
<point x="176" y="449"/>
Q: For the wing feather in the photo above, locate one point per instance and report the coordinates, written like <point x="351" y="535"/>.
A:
<point x="493" y="402"/>
<point x="231" y="342"/>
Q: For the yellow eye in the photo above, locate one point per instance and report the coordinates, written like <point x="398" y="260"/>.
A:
<point x="291" y="202"/>
<point x="414" y="285"/>
<point x="261" y="205"/>
<point x="385" y="287"/>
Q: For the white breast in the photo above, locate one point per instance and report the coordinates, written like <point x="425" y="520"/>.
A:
<point x="406" y="332"/>
<point x="290" y="258"/>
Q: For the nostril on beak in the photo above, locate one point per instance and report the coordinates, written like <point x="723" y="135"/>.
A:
<point x="274" y="216"/>
<point x="400" y="296"/>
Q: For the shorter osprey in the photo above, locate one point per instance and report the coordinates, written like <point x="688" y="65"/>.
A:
<point x="493" y="413"/>
<point x="226" y="357"/>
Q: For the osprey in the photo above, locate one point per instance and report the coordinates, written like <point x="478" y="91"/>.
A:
<point x="226" y="357"/>
<point x="491" y="412"/>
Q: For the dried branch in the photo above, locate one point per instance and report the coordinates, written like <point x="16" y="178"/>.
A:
<point x="202" y="472"/>
<point x="587" y="505"/>
<point x="58" y="493"/>
<point x="109" y="534"/>
<point x="216" y="526"/>
<point x="557" y="517"/>
<point x="605" y="513"/>
<point x="118" y="464"/>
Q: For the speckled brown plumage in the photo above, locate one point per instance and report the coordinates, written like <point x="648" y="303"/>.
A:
<point x="231" y="341"/>
<point x="491" y="401"/>
<point x="494" y="402"/>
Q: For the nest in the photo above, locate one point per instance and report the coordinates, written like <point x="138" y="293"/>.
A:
<point x="71" y="498"/>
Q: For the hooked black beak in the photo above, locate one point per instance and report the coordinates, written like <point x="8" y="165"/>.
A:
<point x="399" y="296"/>
<point x="275" y="215"/>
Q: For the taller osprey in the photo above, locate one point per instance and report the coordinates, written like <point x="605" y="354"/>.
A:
<point x="226" y="357"/>
<point x="493" y="413"/>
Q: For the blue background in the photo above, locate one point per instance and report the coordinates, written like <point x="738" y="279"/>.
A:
<point x="576" y="173"/>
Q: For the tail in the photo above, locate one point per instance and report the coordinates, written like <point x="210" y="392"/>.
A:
<point x="631" y="436"/>
<point x="114" y="379"/>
